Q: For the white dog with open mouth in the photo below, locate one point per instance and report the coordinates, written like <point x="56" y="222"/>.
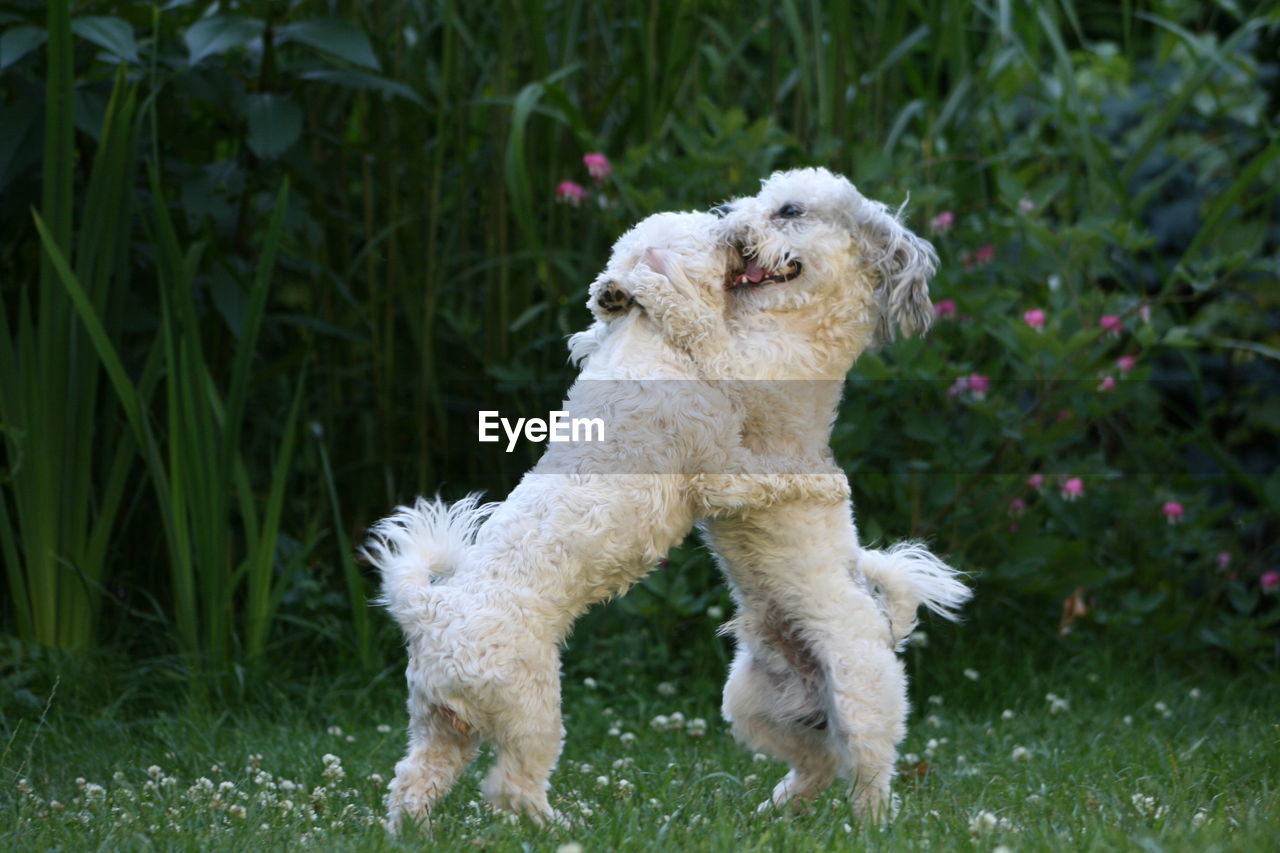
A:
<point x="486" y="594"/>
<point x="815" y="680"/>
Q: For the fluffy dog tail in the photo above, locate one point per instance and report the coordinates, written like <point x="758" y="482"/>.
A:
<point x="417" y="544"/>
<point x="907" y="576"/>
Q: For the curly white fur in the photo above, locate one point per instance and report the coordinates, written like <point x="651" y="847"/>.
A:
<point x="485" y="594"/>
<point x="815" y="680"/>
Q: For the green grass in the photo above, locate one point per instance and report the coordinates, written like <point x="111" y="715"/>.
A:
<point x="1209" y="762"/>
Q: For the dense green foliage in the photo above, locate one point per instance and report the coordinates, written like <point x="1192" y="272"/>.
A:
<point x="263" y="262"/>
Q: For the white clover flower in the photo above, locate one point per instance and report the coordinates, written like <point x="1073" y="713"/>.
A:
<point x="971" y="674"/>
<point x="56" y="806"/>
<point x="934" y="720"/>
<point x="625" y="761"/>
<point x="918" y="638"/>
<point x="697" y="727"/>
<point x="911" y="758"/>
<point x="847" y="828"/>
<point x="1006" y="714"/>
<point x="676" y="720"/>
<point x="750" y="779"/>
<point x="24" y="787"/>
<point x="624" y="785"/>
<point x="590" y="683"/>
<point x="118" y="777"/>
<point x="985" y="822"/>
<point x="350" y="738"/>
<point x="602" y="781"/>
<point x="666" y="688"/>
<point x="935" y="700"/>
<point x="571" y="847"/>
<point x="653" y="802"/>
<point x="376" y="779"/>
<point x="627" y="738"/>
<point x="931" y="746"/>
<point x="1092" y="677"/>
<point x="334" y="730"/>
<point x="1002" y="848"/>
<point x="237" y="811"/>
<point x="715" y="612"/>
<point x="1193" y="693"/>
<point x="1057" y="704"/>
<point x="1163" y="710"/>
<point x="1147" y="806"/>
<point x="383" y="728"/>
<point x="982" y="823"/>
<point x="93" y="792"/>
<point x="1198" y="819"/>
<point x="759" y="756"/>
<point x="660" y="722"/>
<point x="1021" y="754"/>
<point x="1128" y="719"/>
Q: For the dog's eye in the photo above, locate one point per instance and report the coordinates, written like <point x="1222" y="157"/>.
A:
<point x="721" y="210"/>
<point x="790" y="210"/>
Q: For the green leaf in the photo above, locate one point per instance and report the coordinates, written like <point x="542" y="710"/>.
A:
<point x="112" y="34"/>
<point x="353" y="79"/>
<point x="275" y="122"/>
<point x="17" y="42"/>
<point x="218" y="34"/>
<point x="334" y="36"/>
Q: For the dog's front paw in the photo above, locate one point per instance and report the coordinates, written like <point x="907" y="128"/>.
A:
<point x="612" y="299"/>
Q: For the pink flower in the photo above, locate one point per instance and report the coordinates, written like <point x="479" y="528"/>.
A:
<point x="570" y="193"/>
<point x="942" y="223"/>
<point x="1224" y="560"/>
<point x="1111" y="324"/>
<point x="1172" y="512"/>
<point x="1036" y="481"/>
<point x="978" y="385"/>
<point x="1064" y="415"/>
<point x="1017" y="507"/>
<point x="1270" y="581"/>
<point x="1026" y="205"/>
<point x="1126" y="363"/>
<point x="1108" y="383"/>
<point x="1072" y="489"/>
<point x="598" y="165"/>
<point x="1034" y="318"/>
<point x="984" y="254"/>
<point x="944" y="309"/>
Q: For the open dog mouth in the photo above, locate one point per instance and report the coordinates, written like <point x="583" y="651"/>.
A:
<point x="755" y="275"/>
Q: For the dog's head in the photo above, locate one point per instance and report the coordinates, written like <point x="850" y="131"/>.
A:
<point x="691" y="239"/>
<point x="810" y="237"/>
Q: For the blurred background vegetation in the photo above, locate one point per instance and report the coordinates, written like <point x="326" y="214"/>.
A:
<point x="263" y="261"/>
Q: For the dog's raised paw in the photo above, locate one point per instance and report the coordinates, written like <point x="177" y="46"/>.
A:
<point x="613" y="299"/>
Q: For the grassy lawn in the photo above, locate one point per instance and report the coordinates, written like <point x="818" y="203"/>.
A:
<point x="1125" y="757"/>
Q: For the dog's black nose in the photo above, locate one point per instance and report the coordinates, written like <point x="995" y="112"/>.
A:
<point x="721" y="210"/>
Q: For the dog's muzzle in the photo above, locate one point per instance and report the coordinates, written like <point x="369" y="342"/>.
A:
<point x="754" y="275"/>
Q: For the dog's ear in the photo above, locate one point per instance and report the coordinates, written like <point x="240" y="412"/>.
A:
<point x="904" y="263"/>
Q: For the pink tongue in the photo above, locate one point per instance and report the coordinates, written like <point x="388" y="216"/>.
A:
<point x="754" y="273"/>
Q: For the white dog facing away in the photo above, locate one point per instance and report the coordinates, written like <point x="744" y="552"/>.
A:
<point x="815" y="681"/>
<point x="486" y="594"/>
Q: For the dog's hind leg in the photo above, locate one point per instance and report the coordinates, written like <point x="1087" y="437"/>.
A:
<point x="529" y="740"/>
<point x="440" y="747"/>
<point x="758" y="703"/>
